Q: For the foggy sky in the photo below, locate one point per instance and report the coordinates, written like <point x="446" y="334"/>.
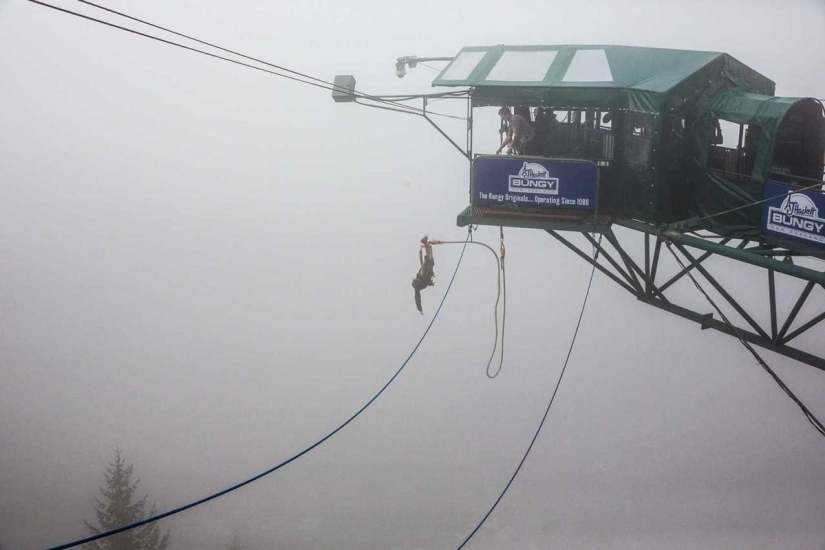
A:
<point x="209" y="267"/>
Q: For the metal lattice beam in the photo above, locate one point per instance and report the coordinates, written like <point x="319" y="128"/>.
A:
<point x="640" y="281"/>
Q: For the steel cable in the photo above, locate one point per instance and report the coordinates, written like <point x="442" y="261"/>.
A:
<point x="318" y="84"/>
<point x="285" y="462"/>
<point x="808" y="414"/>
<point x="550" y="404"/>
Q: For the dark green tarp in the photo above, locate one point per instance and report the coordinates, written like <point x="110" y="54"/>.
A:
<point x="664" y="106"/>
<point x="647" y="80"/>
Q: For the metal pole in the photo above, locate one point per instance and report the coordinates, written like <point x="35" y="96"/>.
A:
<point x="772" y="298"/>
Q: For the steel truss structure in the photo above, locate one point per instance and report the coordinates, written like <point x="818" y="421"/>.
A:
<point x="641" y="281"/>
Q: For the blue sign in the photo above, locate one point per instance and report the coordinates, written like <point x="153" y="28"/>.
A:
<point x="794" y="214"/>
<point x="529" y="182"/>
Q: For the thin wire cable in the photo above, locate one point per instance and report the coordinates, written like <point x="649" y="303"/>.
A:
<point x="211" y="45"/>
<point x="436" y="69"/>
<point x="438" y="95"/>
<point x="500" y="270"/>
<point x="293" y="458"/>
<point x="414" y="113"/>
<point x="376" y="98"/>
<point x="205" y="43"/>
<point x="323" y="84"/>
<point x="550" y="404"/>
<point x="171" y="43"/>
<point x="790" y="184"/>
<point x="421" y="112"/>
<point x="756" y="203"/>
<point x="808" y="414"/>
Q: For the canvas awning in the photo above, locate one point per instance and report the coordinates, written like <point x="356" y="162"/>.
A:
<point x="652" y="80"/>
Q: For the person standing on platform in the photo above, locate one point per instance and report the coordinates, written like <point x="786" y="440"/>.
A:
<point x="519" y="133"/>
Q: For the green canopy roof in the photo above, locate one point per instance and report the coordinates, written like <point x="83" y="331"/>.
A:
<point x="639" y="79"/>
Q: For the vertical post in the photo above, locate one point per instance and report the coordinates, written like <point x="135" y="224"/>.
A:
<point x="470" y="124"/>
<point x="772" y="298"/>
<point x="655" y="263"/>
<point x="739" y="147"/>
<point x="648" y="284"/>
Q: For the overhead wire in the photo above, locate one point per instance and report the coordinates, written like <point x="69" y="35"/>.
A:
<point x="301" y="78"/>
<point x="169" y="42"/>
<point x="438" y="95"/>
<point x="385" y="108"/>
<point x="549" y="405"/>
<point x="432" y="99"/>
<point x="199" y="41"/>
<point x="436" y="69"/>
<point x="747" y="177"/>
<point x="422" y="113"/>
<point x="227" y="50"/>
<point x="808" y="414"/>
<point x="819" y="183"/>
<point x="294" y="457"/>
<point x="382" y="98"/>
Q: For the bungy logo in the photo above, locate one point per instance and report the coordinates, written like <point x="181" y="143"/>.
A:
<point x="797" y="204"/>
<point x="533" y="178"/>
<point x="797" y="216"/>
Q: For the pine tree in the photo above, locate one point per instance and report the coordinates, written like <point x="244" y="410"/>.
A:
<point x="119" y="507"/>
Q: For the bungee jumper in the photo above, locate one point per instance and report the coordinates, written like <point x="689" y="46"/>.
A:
<point x="425" y="275"/>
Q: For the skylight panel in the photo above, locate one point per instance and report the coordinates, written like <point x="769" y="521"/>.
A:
<point x="463" y="65"/>
<point x="522" y="66"/>
<point x="589" y="66"/>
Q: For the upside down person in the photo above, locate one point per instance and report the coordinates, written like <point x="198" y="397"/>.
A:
<point x="425" y="275"/>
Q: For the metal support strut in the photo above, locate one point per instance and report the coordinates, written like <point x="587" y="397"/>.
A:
<point x="639" y="279"/>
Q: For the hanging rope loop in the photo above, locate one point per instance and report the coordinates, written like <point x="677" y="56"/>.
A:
<point x="501" y="291"/>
